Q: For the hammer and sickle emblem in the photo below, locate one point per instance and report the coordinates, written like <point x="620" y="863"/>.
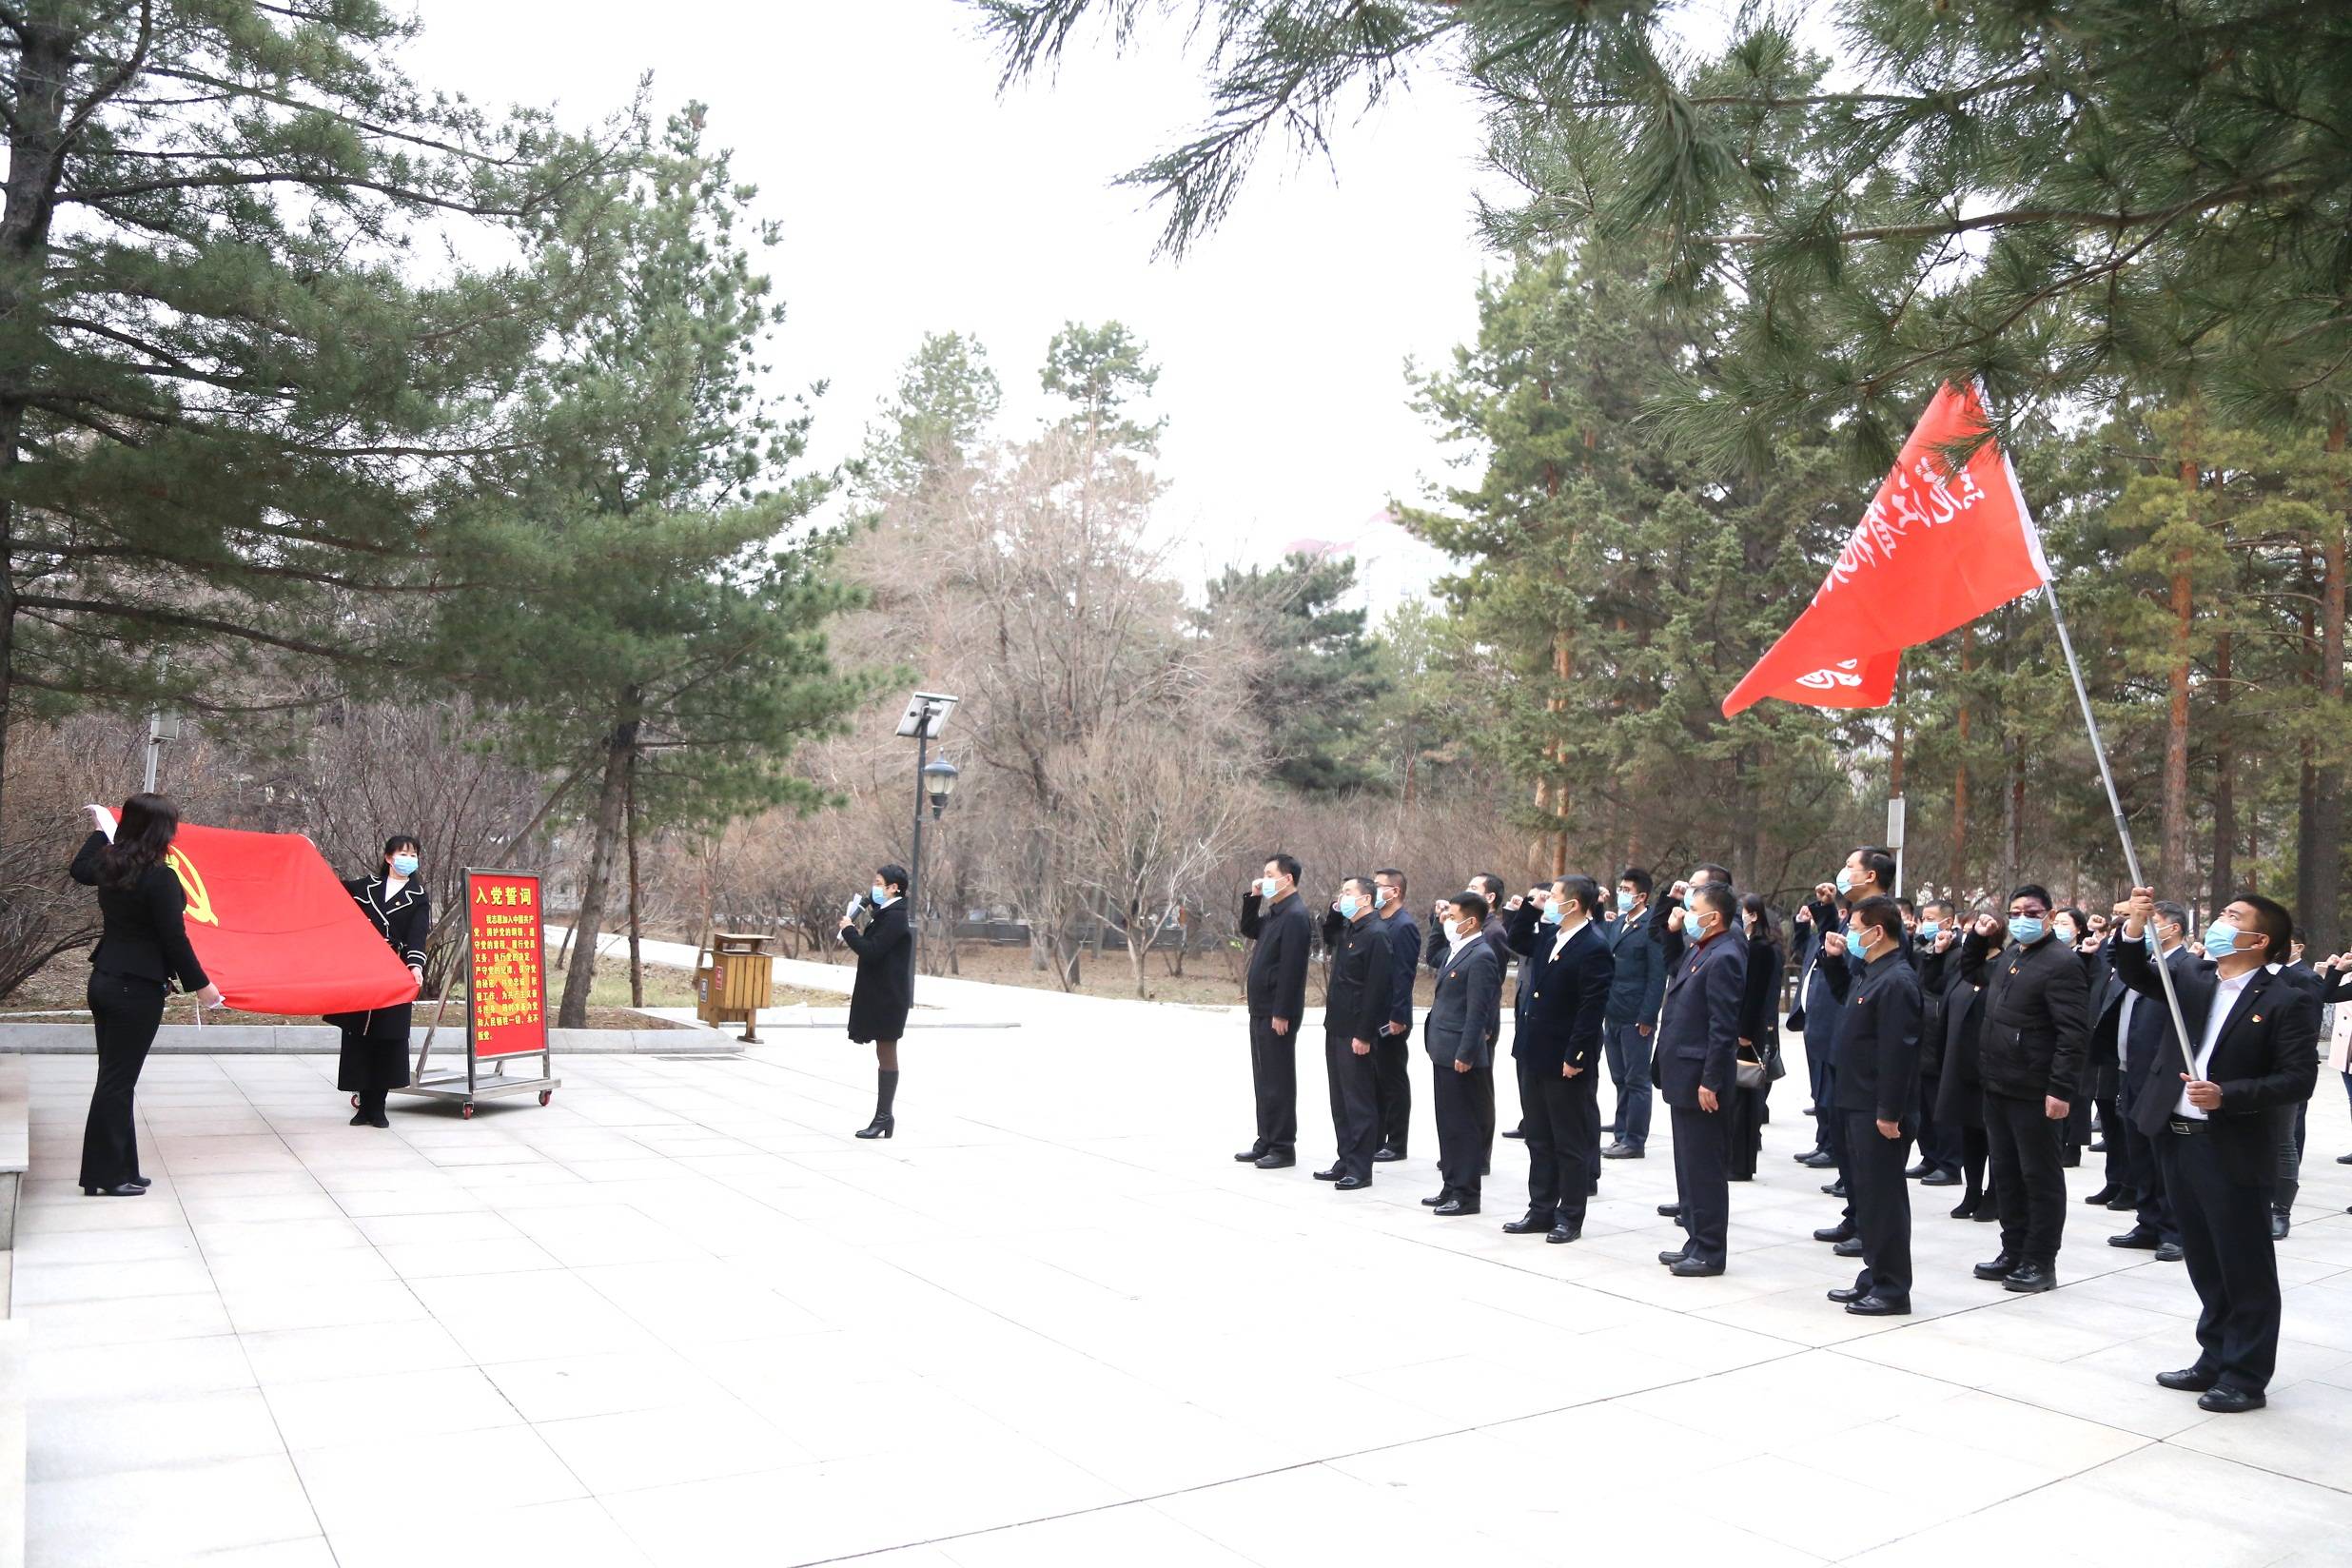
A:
<point x="192" y="881"/>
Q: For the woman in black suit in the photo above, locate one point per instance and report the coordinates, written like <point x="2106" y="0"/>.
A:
<point x="885" y="988"/>
<point x="1759" y="1037"/>
<point x="142" y="948"/>
<point x="375" y="1044"/>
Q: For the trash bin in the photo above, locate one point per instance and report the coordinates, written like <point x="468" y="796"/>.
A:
<point x="734" y="979"/>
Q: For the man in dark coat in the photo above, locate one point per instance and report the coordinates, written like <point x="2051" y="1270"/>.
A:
<point x="1458" y="1032"/>
<point x="1878" y="1094"/>
<point x="1392" y="1051"/>
<point x="1697" y="1040"/>
<point x="884" y="991"/>
<point x="1274" y="917"/>
<point x="1356" y="1003"/>
<point x="2030" y="1053"/>
<point x="1558" y="1053"/>
<point x="2137" y="1031"/>
<point x="1636" y="988"/>
<point x="2216" y="1142"/>
<point x="1940" y="1149"/>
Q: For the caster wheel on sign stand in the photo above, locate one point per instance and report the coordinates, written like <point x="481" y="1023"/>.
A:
<point x="546" y="1095"/>
<point x="355" y="1101"/>
<point x="466" y="1111"/>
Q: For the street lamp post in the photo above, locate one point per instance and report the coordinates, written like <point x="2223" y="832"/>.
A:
<point x="935" y="781"/>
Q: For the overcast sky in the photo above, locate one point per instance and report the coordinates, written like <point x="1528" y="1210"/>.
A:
<point x="913" y="198"/>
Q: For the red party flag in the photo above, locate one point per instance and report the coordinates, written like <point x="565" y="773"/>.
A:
<point x="274" y="928"/>
<point x="1937" y="548"/>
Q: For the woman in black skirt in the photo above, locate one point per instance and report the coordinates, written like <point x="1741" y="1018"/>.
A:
<point x="885" y="989"/>
<point x="1759" y="1038"/>
<point x="143" y="948"/>
<point x="375" y="1044"/>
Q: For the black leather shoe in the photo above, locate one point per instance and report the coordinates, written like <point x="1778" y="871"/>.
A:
<point x="2188" y="1379"/>
<point x="1351" y="1183"/>
<point x="359" y="1118"/>
<point x="1807" y="1156"/>
<point x="142" y="1183"/>
<point x="1922" y="1169"/>
<point x="1532" y="1224"/>
<point x="1385" y="1156"/>
<point x="2099" y="1148"/>
<point x="1878" y="1306"/>
<point x="1454" y="1206"/>
<point x="1967" y="1209"/>
<point x="1820" y="1158"/>
<point x="2343" y="1158"/>
<point x="1670" y="1259"/>
<point x="1988" y="1212"/>
<point x="2124" y="1203"/>
<point x="1516" y="1133"/>
<point x="1848" y="1250"/>
<point x="1690" y="1268"/>
<point x="2000" y="1268"/>
<point x="1939" y="1178"/>
<point x="1835" y="1189"/>
<point x="2031" y="1280"/>
<point x="1277" y="1162"/>
<point x="1432" y="1203"/>
<point x="2224" y="1401"/>
<point x="2101" y="1195"/>
<point x="122" y="1189"/>
<point x="2139" y="1237"/>
<point x="1331" y="1175"/>
<point x="2279" y="1227"/>
<point x="1249" y="1157"/>
<point x="1562" y="1234"/>
<point x="1842" y="1231"/>
<point x="1669" y="1211"/>
<point x="1623" y="1151"/>
<point x="2171" y="1252"/>
<point x="1848" y="1293"/>
<point x="381" y="1120"/>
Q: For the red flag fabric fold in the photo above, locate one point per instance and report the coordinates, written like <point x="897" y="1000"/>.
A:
<point x="274" y="928"/>
<point x="1936" y="548"/>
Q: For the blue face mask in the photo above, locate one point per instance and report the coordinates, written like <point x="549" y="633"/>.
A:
<point x="405" y="865"/>
<point x="1551" y="913"/>
<point x="1845" y="880"/>
<point x="2221" y="939"/>
<point x="1349" y="906"/>
<point x="1266" y="886"/>
<point x="1928" y="930"/>
<point x="1625" y="902"/>
<point x="2024" y="929"/>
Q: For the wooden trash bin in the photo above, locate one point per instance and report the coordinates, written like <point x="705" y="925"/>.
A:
<point x="734" y="979"/>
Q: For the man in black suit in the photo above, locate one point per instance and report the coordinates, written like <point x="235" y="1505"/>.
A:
<point x="1392" y="1051"/>
<point x="1458" y="1032"/>
<point x="2137" y="1031"/>
<point x="1878" y="1095"/>
<point x="1558" y="1049"/>
<point x="2216" y="1141"/>
<point x="1355" y="1001"/>
<point x="2029" y="1053"/>
<point x="1697" y="1038"/>
<point x="1275" y="917"/>
<point x="1629" y="1023"/>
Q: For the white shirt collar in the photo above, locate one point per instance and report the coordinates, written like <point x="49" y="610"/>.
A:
<point x="2226" y="995"/>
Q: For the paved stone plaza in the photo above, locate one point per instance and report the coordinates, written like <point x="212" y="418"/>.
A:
<point x="679" y="1316"/>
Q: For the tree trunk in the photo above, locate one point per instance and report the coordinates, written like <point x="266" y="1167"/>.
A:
<point x="2012" y="817"/>
<point x="1137" y="944"/>
<point x="2323" y="917"/>
<point x="2224" y="777"/>
<point x="636" y="934"/>
<point x="2173" y="862"/>
<point x="1959" y="867"/>
<point x="588" y="924"/>
<point x="2310" y="876"/>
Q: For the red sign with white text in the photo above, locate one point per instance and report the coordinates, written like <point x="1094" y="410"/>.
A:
<point x="508" y="1012"/>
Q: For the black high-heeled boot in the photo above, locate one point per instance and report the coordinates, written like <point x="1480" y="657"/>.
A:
<point x="886" y="1090"/>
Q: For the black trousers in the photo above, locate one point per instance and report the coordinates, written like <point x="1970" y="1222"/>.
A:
<point x="1627" y="1052"/>
<point x="1464" y="1103"/>
<point x="2140" y="1170"/>
<point x="1563" y="1141"/>
<point x="2110" y="1130"/>
<point x="1274" y="1078"/>
<point x="1355" y="1104"/>
<point x="1939" y="1142"/>
<point x="1882" y="1214"/>
<point x="1975" y="1150"/>
<point x="2225" y="1243"/>
<point x="1743" y="1111"/>
<point x="127" y="1011"/>
<point x="1700" y="1184"/>
<point x="2029" y="1182"/>
<point x="1392" y="1061"/>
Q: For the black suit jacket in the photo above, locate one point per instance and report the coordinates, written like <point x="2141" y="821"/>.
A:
<point x="144" y="934"/>
<point x="1566" y="1001"/>
<point x="1878" y="1042"/>
<point x="2267" y="1056"/>
<point x="1698" y="1028"/>
<point x="1357" y="997"/>
<point x="1463" y="1014"/>
<point x="2151" y="1049"/>
<point x="1277" y="985"/>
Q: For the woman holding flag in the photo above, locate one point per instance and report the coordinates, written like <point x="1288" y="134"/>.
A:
<point x="375" y="1044"/>
<point x="142" y="948"/>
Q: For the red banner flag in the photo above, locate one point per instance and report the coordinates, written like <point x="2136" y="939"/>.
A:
<point x="1937" y="548"/>
<point x="274" y="928"/>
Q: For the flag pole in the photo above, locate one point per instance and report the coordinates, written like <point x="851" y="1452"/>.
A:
<point x="2123" y="825"/>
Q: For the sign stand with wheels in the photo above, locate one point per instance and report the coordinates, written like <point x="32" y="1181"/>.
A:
<point x="505" y="996"/>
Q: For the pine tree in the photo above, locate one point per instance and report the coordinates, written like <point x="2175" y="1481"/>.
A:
<point x="1317" y="676"/>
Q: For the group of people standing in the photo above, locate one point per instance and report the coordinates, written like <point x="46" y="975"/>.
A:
<point x="1986" y="1042"/>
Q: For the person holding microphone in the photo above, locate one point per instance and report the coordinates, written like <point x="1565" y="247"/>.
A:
<point x="883" y="993"/>
<point x="142" y="948"/>
<point x="375" y="1044"/>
